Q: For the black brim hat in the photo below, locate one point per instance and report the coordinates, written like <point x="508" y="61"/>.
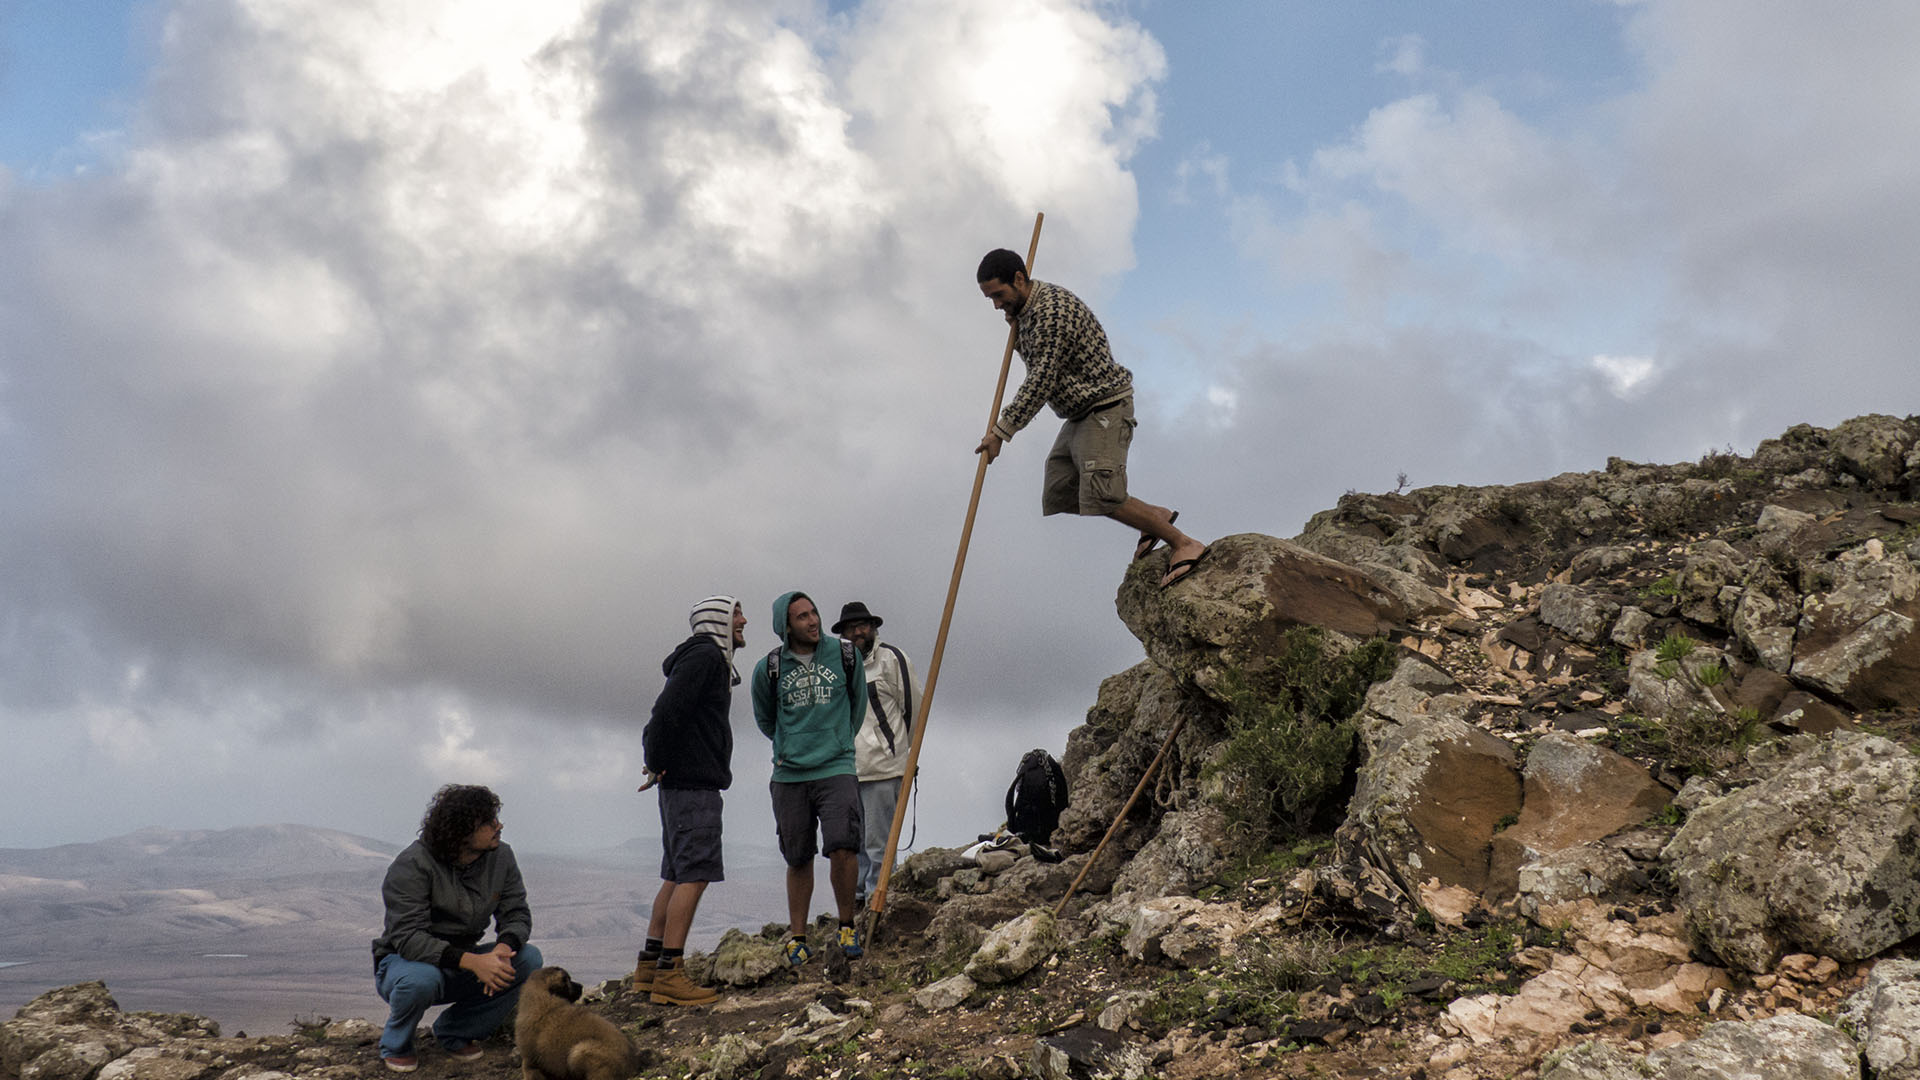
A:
<point x="855" y="611"/>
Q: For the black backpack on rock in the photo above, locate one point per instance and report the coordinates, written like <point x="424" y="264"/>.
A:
<point x="1036" y="797"/>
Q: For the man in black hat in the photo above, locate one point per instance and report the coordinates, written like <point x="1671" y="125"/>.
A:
<point x="881" y="746"/>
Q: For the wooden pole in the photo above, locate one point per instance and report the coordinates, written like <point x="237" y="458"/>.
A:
<point x="877" y="903"/>
<point x="1145" y="778"/>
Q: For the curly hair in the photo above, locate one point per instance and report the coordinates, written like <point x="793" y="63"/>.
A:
<point x="456" y="811"/>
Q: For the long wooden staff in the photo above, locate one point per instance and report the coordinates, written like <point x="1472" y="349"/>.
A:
<point x="1145" y="778"/>
<point x="877" y="903"/>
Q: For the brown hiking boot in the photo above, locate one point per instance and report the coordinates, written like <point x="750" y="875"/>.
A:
<point x="672" y="987"/>
<point x="643" y="976"/>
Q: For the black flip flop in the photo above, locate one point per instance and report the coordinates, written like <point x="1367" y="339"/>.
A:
<point x="1148" y="541"/>
<point x="1183" y="569"/>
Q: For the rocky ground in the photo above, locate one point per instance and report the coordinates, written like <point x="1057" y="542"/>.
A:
<point x="1626" y="787"/>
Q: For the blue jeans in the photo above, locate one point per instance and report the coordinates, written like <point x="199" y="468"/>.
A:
<point x="410" y="988"/>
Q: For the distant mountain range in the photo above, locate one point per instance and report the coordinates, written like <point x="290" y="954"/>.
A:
<point x="255" y="925"/>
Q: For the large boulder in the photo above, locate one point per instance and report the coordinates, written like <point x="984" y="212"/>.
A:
<point x="1583" y="616"/>
<point x="1856" y="640"/>
<point x="1014" y="948"/>
<point x="76" y="1032"/>
<point x="1873" y="448"/>
<point x="741" y="959"/>
<point x="1823" y="856"/>
<point x="1786" y="1045"/>
<point x="1228" y="619"/>
<point x="1186" y="852"/>
<point x="1573" y="792"/>
<point x="1428" y="799"/>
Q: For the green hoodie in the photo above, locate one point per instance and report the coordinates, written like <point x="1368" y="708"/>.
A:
<point x="811" y="719"/>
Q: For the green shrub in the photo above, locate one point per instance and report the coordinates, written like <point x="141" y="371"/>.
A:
<point x="1674" y="646"/>
<point x="1704" y="741"/>
<point x="1287" y="751"/>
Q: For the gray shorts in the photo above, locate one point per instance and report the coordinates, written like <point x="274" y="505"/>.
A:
<point x="690" y="833"/>
<point x="1086" y="470"/>
<point x="833" y="802"/>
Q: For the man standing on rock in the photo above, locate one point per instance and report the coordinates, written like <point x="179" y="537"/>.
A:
<point x="688" y="744"/>
<point x="440" y="895"/>
<point x="808" y="696"/>
<point x="885" y="738"/>
<point x="1070" y="367"/>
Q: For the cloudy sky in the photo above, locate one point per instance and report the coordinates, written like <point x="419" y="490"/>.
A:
<point x="380" y="385"/>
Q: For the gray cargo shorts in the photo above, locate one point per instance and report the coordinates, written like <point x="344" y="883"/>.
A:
<point x="1086" y="470"/>
<point x="690" y="833"/>
<point x="833" y="801"/>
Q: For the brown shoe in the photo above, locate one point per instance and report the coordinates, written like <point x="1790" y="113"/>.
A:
<point x="643" y="976"/>
<point x="672" y="987"/>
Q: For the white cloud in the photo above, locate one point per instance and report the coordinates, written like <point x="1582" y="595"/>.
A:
<point x="1743" y="212"/>
<point x="1625" y="375"/>
<point x="1404" y="55"/>
<point x="413" y="370"/>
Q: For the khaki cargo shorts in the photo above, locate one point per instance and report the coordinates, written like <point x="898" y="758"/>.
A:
<point x="1086" y="470"/>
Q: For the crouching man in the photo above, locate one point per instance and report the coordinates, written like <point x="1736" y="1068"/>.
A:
<point x="441" y="894"/>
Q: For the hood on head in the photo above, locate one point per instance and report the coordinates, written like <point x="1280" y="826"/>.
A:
<point x="780" y="612"/>
<point x="713" y="617"/>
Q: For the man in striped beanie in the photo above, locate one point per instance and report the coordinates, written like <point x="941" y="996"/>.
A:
<point x="689" y="753"/>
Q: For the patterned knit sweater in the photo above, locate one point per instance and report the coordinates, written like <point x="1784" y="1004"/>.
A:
<point x="1069" y="364"/>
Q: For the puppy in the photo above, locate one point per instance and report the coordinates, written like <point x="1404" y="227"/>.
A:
<point x="559" y="1040"/>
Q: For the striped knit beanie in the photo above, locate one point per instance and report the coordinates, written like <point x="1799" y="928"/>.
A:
<point x="714" y="618"/>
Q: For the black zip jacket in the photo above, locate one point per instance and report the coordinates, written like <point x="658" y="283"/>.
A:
<point x="689" y="740"/>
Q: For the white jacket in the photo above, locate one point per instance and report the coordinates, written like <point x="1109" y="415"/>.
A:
<point x="892" y="691"/>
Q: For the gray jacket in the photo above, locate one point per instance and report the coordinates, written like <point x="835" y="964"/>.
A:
<point x="436" y="911"/>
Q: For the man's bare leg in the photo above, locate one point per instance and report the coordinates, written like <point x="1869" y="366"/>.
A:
<point x="843" y="870"/>
<point x="799" y="897"/>
<point x="657" y="922"/>
<point x="1152" y="520"/>
<point x="680" y="910"/>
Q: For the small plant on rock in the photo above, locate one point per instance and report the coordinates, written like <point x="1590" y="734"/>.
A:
<point x="1664" y="585"/>
<point x="1675" y="646"/>
<point x="1289" y="750"/>
<point x="1704" y="741"/>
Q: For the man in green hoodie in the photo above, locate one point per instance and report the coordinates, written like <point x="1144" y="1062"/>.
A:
<point x="808" y="697"/>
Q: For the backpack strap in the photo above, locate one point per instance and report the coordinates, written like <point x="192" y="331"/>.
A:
<point x="773" y="674"/>
<point x="879" y="710"/>
<point x="846" y="671"/>
<point x="906" y="679"/>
